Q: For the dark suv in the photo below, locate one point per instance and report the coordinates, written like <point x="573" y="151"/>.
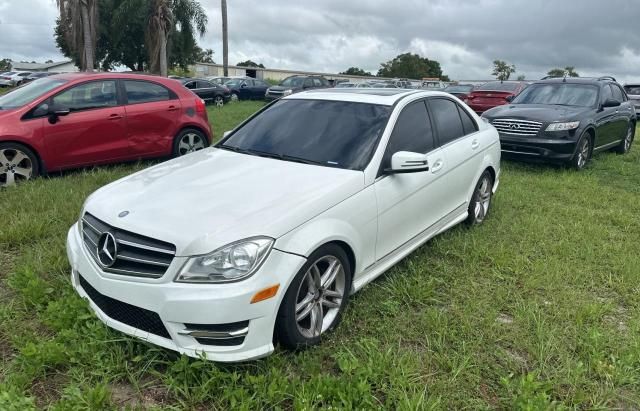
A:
<point x="295" y="84"/>
<point x="566" y="120"/>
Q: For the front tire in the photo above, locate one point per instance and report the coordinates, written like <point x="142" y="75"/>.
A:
<point x="583" y="154"/>
<point x="625" y="145"/>
<point x="480" y="200"/>
<point x="188" y="141"/>
<point x="218" y="101"/>
<point x="316" y="298"/>
<point x="17" y="164"/>
<point x="234" y="97"/>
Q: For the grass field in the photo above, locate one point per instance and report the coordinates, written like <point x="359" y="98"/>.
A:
<point x="538" y="308"/>
<point x="4" y="90"/>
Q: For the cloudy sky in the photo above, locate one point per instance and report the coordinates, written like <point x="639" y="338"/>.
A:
<point x="597" y="37"/>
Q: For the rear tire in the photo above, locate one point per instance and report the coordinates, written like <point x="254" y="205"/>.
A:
<point x="625" y="145"/>
<point x="316" y="298"/>
<point x="234" y="97"/>
<point x="480" y="200"/>
<point x="17" y="164"/>
<point x="583" y="153"/>
<point x="188" y="141"/>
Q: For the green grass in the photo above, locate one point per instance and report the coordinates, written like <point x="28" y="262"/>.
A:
<point x="4" y="90"/>
<point x="537" y="308"/>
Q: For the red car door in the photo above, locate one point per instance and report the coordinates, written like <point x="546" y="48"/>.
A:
<point x="153" y="112"/>
<point x="93" y="132"/>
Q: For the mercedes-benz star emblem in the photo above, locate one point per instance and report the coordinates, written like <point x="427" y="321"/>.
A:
<point x="107" y="250"/>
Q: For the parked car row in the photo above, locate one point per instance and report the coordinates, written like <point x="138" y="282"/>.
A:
<point x="13" y="78"/>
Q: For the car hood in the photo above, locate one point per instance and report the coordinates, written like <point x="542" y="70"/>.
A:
<point x="203" y="201"/>
<point x="536" y="112"/>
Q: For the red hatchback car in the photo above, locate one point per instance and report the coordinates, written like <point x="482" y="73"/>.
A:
<point x="493" y="94"/>
<point x="82" y="119"/>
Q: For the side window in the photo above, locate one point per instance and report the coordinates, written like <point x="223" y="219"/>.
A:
<point x="87" y="96"/>
<point x="618" y="95"/>
<point x="317" y="82"/>
<point x="447" y="119"/>
<point x="412" y="132"/>
<point x="606" y="93"/>
<point x="468" y="124"/>
<point x="192" y="85"/>
<point x="308" y="83"/>
<point x="204" y="84"/>
<point x="249" y="83"/>
<point x="145" y="92"/>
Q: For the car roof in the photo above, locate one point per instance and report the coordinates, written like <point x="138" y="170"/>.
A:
<point x="382" y="96"/>
<point x="576" y="80"/>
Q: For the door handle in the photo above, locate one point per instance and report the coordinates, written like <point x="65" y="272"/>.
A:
<point x="475" y="144"/>
<point x="437" y="166"/>
<point x="115" y="117"/>
<point x="172" y="108"/>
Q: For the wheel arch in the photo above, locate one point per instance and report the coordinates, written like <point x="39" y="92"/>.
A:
<point x="41" y="164"/>
<point x="196" y="127"/>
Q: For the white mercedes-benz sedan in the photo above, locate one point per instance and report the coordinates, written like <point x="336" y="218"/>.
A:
<point x="264" y="237"/>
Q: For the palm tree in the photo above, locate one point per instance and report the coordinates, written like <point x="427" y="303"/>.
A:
<point x="81" y="17"/>
<point x="158" y="30"/>
<point x="225" y="38"/>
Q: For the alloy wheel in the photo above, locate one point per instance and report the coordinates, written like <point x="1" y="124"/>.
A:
<point x="234" y="97"/>
<point x="483" y="200"/>
<point x="219" y="102"/>
<point x="190" y="143"/>
<point x="320" y="296"/>
<point x="583" y="153"/>
<point x="15" y="166"/>
<point x="628" y="139"/>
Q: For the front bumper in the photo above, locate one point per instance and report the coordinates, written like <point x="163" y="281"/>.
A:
<point x="539" y="147"/>
<point x="172" y="305"/>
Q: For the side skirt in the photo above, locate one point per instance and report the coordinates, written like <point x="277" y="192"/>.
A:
<point x="379" y="267"/>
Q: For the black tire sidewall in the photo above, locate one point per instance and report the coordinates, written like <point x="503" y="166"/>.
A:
<point x="471" y="218"/>
<point x="35" y="172"/>
<point x="621" y="148"/>
<point x="286" y="330"/>
<point x="574" y="161"/>
<point x="176" y="141"/>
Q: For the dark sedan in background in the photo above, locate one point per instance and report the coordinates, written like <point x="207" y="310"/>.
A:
<point x="566" y="120"/>
<point x="247" y="88"/>
<point x="295" y="84"/>
<point x="461" y="91"/>
<point x="211" y="93"/>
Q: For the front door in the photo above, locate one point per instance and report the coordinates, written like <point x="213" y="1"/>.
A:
<point x="94" y="131"/>
<point x="410" y="203"/>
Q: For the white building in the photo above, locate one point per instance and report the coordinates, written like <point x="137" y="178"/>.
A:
<point x="65" y="66"/>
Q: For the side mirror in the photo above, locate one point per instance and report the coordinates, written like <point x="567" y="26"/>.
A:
<point x="56" y="112"/>
<point x="510" y="98"/>
<point x="408" y="162"/>
<point x="243" y="85"/>
<point x="610" y="103"/>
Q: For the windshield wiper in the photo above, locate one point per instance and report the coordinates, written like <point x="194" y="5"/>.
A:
<point x="284" y="157"/>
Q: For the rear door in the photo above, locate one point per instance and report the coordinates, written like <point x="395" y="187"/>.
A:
<point x="95" y="130"/>
<point x="153" y="112"/>
<point x="246" y="90"/>
<point x="462" y="146"/>
<point x="623" y="113"/>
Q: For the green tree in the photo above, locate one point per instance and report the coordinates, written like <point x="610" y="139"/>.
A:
<point x="558" y="72"/>
<point x="521" y="77"/>
<point x="356" y="71"/>
<point x="5" y="65"/>
<point x="204" y="56"/>
<point x="502" y="70"/>
<point x="249" y="63"/>
<point x="79" y="28"/>
<point x="411" y="66"/>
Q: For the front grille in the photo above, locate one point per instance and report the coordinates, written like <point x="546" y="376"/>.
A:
<point x="517" y="127"/>
<point x="135" y="255"/>
<point x="131" y="315"/>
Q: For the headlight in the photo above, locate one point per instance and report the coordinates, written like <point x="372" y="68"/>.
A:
<point x="232" y="262"/>
<point x="563" y="126"/>
<point x="287" y="92"/>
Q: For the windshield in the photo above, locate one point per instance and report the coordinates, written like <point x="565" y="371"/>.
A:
<point x="329" y="133"/>
<point x="293" y="82"/>
<point x="498" y="86"/>
<point x="29" y="92"/>
<point x="632" y="90"/>
<point x="458" y="89"/>
<point x="565" y="94"/>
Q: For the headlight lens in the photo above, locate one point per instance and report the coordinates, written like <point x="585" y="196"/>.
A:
<point x="563" y="126"/>
<point x="233" y="262"/>
<point x="287" y="92"/>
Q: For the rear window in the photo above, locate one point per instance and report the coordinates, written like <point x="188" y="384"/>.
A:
<point x="632" y="90"/>
<point x="498" y="86"/>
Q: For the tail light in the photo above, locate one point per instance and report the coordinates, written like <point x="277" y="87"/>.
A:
<point x="201" y="108"/>
<point x="470" y="97"/>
